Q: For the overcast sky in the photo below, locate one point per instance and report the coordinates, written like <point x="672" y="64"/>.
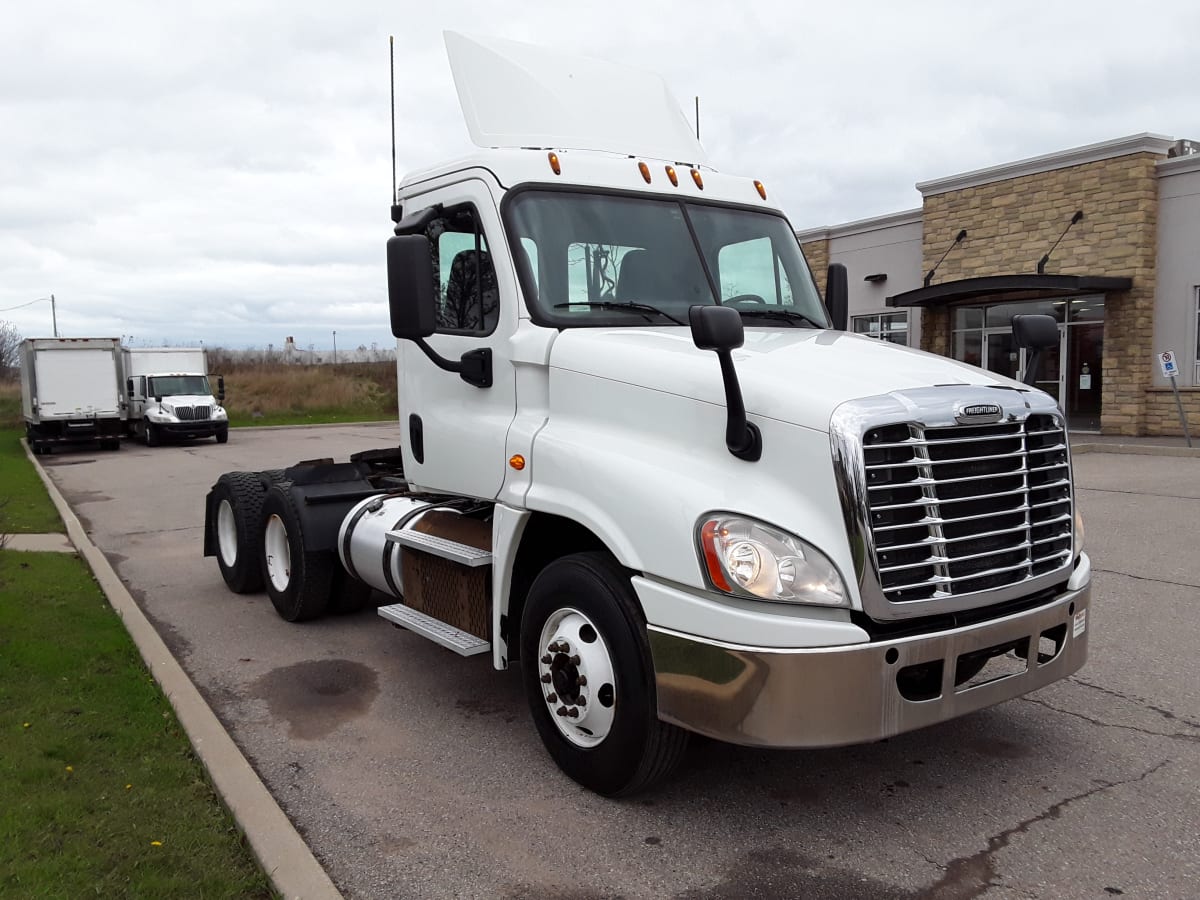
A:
<point x="223" y="175"/>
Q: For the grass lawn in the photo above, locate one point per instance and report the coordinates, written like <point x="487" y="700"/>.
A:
<point x="100" y="794"/>
<point x="24" y="506"/>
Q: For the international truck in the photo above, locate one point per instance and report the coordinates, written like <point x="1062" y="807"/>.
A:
<point x="170" y="395"/>
<point x="642" y="460"/>
<point x="71" y="392"/>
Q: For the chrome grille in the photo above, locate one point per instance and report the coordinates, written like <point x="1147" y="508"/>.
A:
<point x="193" y="413"/>
<point x="966" y="508"/>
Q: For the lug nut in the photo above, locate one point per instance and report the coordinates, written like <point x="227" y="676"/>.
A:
<point x="547" y="659"/>
<point x="581" y="680"/>
<point x="547" y="678"/>
<point x="562" y="711"/>
<point x="572" y="713"/>
<point x="582" y="701"/>
<point x="552" y="698"/>
<point x="575" y="660"/>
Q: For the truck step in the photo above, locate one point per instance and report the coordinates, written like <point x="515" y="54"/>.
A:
<point x="439" y="632"/>
<point x="463" y="554"/>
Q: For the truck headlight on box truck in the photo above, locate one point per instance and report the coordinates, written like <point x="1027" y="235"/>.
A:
<point x="745" y="557"/>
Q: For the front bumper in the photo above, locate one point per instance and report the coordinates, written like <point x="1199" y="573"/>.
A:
<point x="203" y="428"/>
<point x="832" y="696"/>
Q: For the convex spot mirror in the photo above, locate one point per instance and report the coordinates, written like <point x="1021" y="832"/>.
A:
<point x="1035" y="332"/>
<point x="411" y="298"/>
<point x="716" y="327"/>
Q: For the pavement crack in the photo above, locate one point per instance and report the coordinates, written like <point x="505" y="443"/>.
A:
<point x="1173" y="735"/>
<point x="968" y="877"/>
<point x="1137" y="701"/>
<point x="1136" y="493"/>
<point x="1186" y="584"/>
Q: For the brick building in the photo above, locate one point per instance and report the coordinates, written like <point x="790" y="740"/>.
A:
<point x="1106" y="238"/>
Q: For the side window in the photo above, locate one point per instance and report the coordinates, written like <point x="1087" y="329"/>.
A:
<point x="751" y="272"/>
<point x="467" y="291"/>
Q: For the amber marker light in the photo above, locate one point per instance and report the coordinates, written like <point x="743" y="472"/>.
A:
<point x="696" y="178"/>
<point x="671" y="175"/>
<point x="645" y="170"/>
<point x="553" y="157"/>
<point x="762" y="191"/>
<point x="517" y="461"/>
<point x="708" y="534"/>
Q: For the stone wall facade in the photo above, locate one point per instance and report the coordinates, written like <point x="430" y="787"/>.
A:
<point x="817" y="254"/>
<point x="1010" y="223"/>
<point x="1162" y="415"/>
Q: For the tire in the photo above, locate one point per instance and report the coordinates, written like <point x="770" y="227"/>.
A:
<point x="237" y="505"/>
<point x="299" y="582"/>
<point x="614" y="744"/>
<point x="153" y="438"/>
<point x="222" y="435"/>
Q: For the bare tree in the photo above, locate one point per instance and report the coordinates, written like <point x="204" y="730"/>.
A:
<point x="10" y="350"/>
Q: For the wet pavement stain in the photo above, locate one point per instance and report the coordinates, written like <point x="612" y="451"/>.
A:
<point x="316" y="696"/>
<point x="782" y="873"/>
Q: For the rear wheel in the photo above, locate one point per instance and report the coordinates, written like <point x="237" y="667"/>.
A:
<point x="298" y="581"/>
<point x="589" y="678"/>
<point x="239" y="498"/>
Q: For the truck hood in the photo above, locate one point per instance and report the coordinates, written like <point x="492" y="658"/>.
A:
<point x="173" y="400"/>
<point x="799" y="376"/>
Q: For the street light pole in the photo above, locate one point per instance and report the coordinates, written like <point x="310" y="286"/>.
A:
<point x="54" y="315"/>
<point x="335" y="348"/>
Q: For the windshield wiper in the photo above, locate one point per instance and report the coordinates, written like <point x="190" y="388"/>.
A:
<point x="641" y="308"/>
<point x="785" y="314"/>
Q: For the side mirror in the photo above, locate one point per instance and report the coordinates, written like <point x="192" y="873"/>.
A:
<point x="837" y="296"/>
<point x="719" y="328"/>
<point x="1036" y="333"/>
<point x="220" y="388"/>
<point x="411" y="298"/>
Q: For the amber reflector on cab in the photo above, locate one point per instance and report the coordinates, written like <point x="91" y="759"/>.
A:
<point x="645" y="170"/>
<point x="696" y="178"/>
<point x="762" y="191"/>
<point x="553" y="157"/>
<point x="517" y="461"/>
<point x="671" y="175"/>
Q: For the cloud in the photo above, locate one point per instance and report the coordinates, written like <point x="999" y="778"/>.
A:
<point x="221" y="171"/>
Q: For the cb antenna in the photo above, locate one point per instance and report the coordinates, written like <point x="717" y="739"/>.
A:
<point x="396" y="214"/>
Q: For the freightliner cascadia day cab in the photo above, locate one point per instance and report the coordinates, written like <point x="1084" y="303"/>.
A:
<point x="71" y="392"/>
<point x="638" y="460"/>
<point x="170" y="395"/>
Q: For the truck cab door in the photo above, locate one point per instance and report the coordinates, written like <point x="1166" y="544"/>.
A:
<point x="453" y="433"/>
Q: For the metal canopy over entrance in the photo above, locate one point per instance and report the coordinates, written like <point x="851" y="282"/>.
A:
<point x="999" y="288"/>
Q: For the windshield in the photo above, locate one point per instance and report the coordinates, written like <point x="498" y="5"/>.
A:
<point x="177" y="385"/>
<point x="590" y="254"/>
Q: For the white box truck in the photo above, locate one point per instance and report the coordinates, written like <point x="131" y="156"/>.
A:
<point x="71" y="392"/>
<point x="171" y="396"/>
<point x="642" y="459"/>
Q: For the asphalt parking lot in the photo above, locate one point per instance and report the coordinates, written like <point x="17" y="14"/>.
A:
<point x="415" y="773"/>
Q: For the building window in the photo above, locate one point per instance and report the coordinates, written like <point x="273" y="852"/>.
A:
<point x="885" y="326"/>
<point x="1196" y="374"/>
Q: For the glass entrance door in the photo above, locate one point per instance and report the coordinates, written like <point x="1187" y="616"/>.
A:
<point x="1085" y="350"/>
<point x="1002" y="356"/>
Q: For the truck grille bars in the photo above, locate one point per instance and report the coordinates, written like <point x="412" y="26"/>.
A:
<point x="193" y="413"/>
<point x="956" y="516"/>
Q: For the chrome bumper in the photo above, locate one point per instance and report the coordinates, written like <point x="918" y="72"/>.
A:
<point x="832" y="696"/>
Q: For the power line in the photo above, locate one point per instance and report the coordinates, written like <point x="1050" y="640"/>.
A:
<point x="23" y="305"/>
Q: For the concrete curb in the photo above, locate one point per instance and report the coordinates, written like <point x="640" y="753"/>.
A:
<point x="280" y="850"/>
<point x="1137" y="449"/>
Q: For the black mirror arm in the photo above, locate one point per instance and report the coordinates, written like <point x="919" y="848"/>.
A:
<point x="473" y="367"/>
<point x="1031" y="369"/>
<point x="743" y="438"/>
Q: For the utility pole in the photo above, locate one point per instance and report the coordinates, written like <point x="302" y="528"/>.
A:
<point x="335" y="348"/>
<point x="53" y="315"/>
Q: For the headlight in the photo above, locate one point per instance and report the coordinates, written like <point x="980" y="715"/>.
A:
<point x="744" y="557"/>
<point x="1078" y="533"/>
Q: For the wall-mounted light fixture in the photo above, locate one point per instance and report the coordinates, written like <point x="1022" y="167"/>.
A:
<point x="877" y="278"/>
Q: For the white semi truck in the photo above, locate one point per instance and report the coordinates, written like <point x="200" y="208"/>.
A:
<point x="643" y="461"/>
<point x="170" y="395"/>
<point x="71" y="392"/>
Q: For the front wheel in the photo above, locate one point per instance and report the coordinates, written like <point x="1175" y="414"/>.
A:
<point x="153" y="438"/>
<point x="222" y="435"/>
<point x="589" y="677"/>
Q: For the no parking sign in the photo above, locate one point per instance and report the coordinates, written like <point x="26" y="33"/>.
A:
<point x="1170" y="368"/>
